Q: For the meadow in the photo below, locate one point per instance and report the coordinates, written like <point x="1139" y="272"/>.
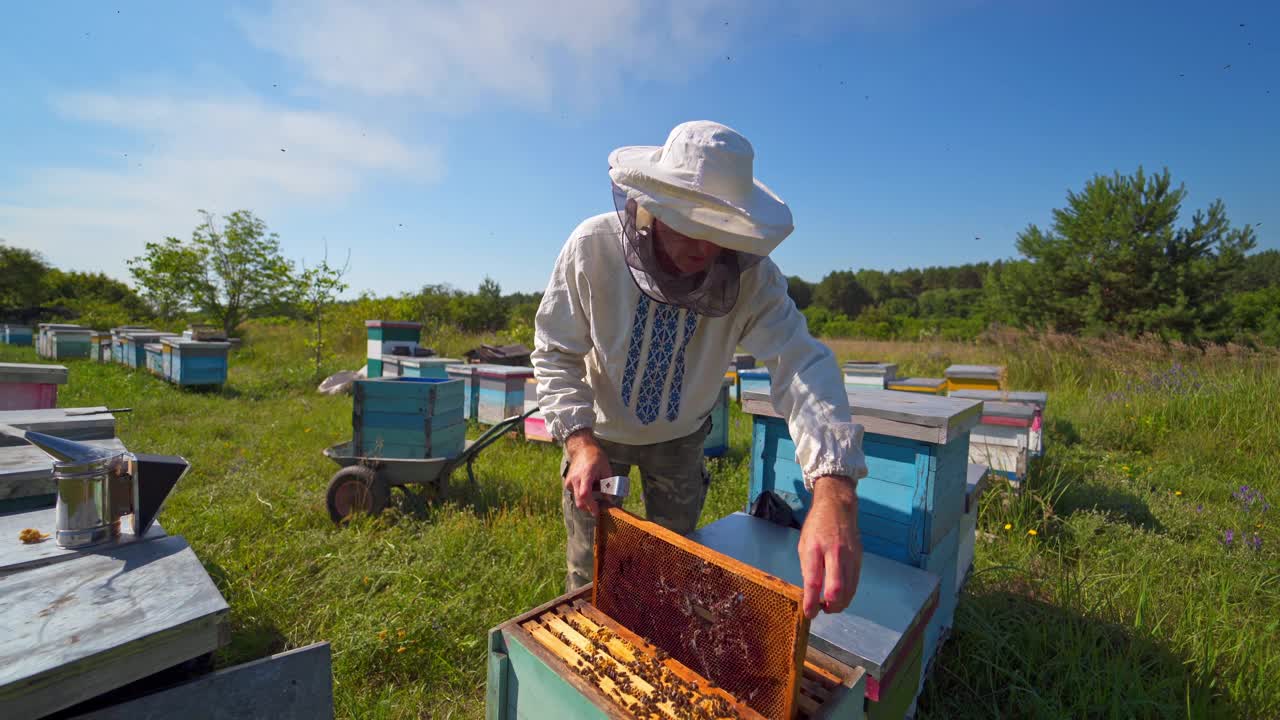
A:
<point x="1137" y="576"/>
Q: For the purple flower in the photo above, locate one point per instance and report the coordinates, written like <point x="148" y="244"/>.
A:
<point x="1228" y="536"/>
<point x="1255" y="541"/>
<point x="1200" y="508"/>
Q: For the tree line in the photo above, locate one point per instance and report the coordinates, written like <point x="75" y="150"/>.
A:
<point x="1116" y="258"/>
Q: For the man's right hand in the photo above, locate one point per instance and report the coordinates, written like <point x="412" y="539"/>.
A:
<point x="587" y="465"/>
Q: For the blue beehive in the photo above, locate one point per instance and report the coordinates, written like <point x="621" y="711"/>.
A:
<point x="911" y="502"/>
<point x="134" y="346"/>
<point x="753" y="380"/>
<point x="195" y="362"/>
<point x="427" y="367"/>
<point x="408" y="417"/>
<point x="17" y="335"/>
<point x="466" y="374"/>
<point x="501" y="392"/>
<point x="717" y="442"/>
<point x="154" y="358"/>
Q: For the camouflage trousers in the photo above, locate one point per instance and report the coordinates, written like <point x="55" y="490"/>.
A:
<point x="674" y="478"/>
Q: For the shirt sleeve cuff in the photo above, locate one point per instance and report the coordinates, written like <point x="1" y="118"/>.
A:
<point x="566" y="423"/>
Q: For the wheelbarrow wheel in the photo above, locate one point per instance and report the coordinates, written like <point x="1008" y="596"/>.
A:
<point x="356" y="489"/>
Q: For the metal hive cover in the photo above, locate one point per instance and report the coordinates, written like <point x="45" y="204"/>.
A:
<point x="735" y="625"/>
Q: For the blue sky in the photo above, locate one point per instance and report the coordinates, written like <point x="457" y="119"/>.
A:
<point x="442" y="142"/>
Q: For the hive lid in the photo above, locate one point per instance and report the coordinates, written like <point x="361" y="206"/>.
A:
<point x="407" y="325"/>
<point x="503" y="371"/>
<point x="33" y="373"/>
<point x="732" y="623"/>
<point x="980" y="372"/>
<point x="1017" y="396"/>
<point x="876" y="630"/>
<point x="920" y="382"/>
<point x="901" y="414"/>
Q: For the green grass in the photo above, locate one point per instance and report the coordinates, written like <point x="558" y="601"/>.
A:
<point x="1126" y="603"/>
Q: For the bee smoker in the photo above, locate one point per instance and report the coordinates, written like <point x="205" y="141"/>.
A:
<point x="97" y="487"/>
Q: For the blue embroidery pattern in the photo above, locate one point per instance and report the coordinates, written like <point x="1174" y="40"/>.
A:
<point x="633" y="352"/>
<point x="677" y="377"/>
<point x="661" y="347"/>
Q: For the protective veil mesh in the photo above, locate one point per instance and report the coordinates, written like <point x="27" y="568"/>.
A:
<point x="712" y="293"/>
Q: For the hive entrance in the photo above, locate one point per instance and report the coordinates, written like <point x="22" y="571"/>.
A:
<point x="731" y="623"/>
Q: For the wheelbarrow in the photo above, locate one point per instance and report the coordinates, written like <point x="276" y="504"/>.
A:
<point x="363" y="485"/>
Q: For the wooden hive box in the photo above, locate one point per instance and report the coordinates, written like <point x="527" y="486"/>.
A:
<point x="100" y="346"/>
<point x="427" y="367"/>
<point x="118" y="341"/>
<point x="1037" y="400"/>
<point x="928" y="386"/>
<point x="501" y="392"/>
<point x="44" y="341"/>
<point x="916" y="451"/>
<point x="195" y="362"/>
<point x="135" y="344"/>
<point x="155" y="358"/>
<point x="731" y="377"/>
<point x="25" y="386"/>
<point x="533" y="671"/>
<point x="69" y="343"/>
<point x="975" y="484"/>
<point x="535" y="426"/>
<point x="597" y="652"/>
<point x="868" y="375"/>
<point x="882" y="631"/>
<point x="466" y="374"/>
<point x="408" y="417"/>
<point x="753" y="380"/>
<point x="384" y="336"/>
<point x="975" y="377"/>
<point x="1003" y="440"/>
<point x="17" y="335"/>
<point x="717" y="442"/>
<point x="910" y="503"/>
<point x="26" y="472"/>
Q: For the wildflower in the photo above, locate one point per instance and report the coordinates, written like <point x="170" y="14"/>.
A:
<point x="1177" y="493"/>
<point x="1032" y="532"/>
<point x="382" y="634"/>
<point x="307" y="430"/>
<point x="1200" y="508"/>
<point x="400" y="633"/>
<point x="401" y="649"/>
<point x="1228" y="536"/>
<point x="1255" y="541"/>
<point x="366" y="579"/>
<point x="1008" y="526"/>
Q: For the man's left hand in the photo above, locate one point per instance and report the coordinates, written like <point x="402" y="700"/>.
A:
<point x="830" y="549"/>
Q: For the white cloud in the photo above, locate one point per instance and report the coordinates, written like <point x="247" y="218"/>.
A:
<point x="217" y="154"/>
<point x="454" y="53"/>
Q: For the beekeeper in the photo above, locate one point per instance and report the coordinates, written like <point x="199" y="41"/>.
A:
<point x="644" y="311"/>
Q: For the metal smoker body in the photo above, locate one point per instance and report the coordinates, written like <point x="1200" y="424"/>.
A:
<point x="97" y="487"/>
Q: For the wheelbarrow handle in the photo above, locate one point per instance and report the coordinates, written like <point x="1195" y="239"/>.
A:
<point x="489" y="437"/>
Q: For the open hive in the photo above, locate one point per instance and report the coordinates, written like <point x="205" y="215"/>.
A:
<point x="729" y="622"/>
<point x="643" y="681"/>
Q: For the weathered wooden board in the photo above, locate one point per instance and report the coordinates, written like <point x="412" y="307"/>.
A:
<point x="57" y="421"/>
<point x="33" y="373"/>
<point x="16" y="556"/>
<point x="297" y="684"/>
<point x="914" y="416"/>
<point x="76" y="629"/>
